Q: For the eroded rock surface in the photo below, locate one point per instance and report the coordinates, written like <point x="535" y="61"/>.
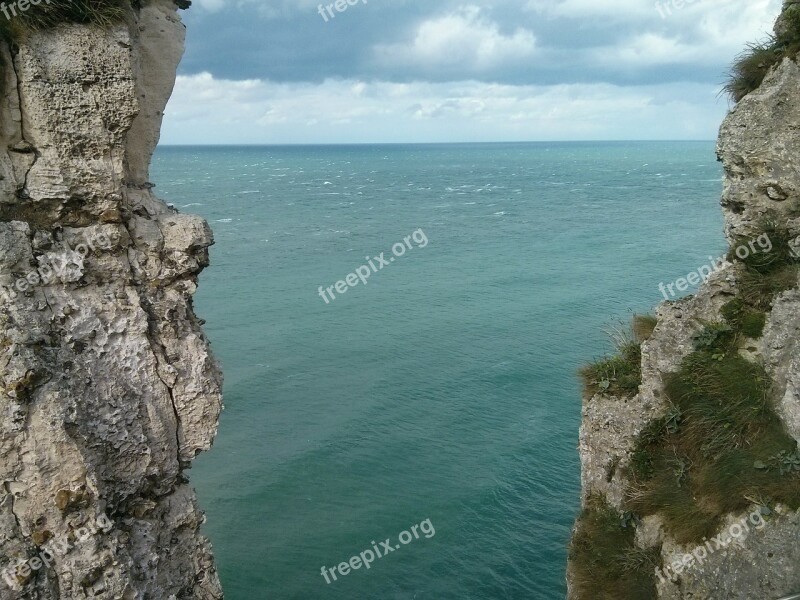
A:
<point x="108" y="388"/>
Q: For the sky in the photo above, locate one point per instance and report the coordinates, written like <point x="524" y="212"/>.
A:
<point x="419" y="71"/>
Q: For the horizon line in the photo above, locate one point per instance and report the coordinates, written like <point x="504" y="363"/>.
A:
<point x="284" y="144"/>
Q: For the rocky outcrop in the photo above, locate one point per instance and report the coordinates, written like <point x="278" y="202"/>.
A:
<point x="108" y="389"/>
<point x="759" y="148"/>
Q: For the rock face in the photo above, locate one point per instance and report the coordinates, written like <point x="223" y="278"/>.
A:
<point x="108" y="389"/>
<point x="759" y="147"/>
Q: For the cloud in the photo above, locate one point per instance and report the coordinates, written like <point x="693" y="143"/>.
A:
<point x="463" y="39"/>
<point x="538" y="41"/>
<point x="657" y="12"/>
<point x="514" y="54"/>
<point x="209" y="110"/>
<point x="707" y="37"/>
<point x="581" y="9"/>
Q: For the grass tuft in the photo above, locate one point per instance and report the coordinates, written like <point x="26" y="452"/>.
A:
<point x="753" y="65"/>
<point x="763" y="275"/>
<point x="760" y="289"/>
<point x="748" y="320"/>
<point x="619" y="375"/>
<point x="605" y="562"/>
<point x="643" y="327"/>
<point x="52" y="13"/>
<point x="753" y="324"/>
<point x="46" y="15"/>
<point x="706" y="457"/>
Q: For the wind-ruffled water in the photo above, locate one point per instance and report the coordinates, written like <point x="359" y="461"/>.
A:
<point x="445" y="389"/>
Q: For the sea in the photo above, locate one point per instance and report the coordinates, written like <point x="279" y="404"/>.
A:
<point x="431" y="416"/>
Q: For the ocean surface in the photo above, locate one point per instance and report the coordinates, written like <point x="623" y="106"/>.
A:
<point x="445" y="390"/>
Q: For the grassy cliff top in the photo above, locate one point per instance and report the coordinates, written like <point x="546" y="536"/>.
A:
<point x="15" y="23"/>
<point x="755" y="63"/>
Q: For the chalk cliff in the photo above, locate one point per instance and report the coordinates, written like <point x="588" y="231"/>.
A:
<point x="669" y="469"/>
<point x="108" y="388"/>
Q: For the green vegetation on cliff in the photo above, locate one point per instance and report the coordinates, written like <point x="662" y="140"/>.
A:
<point x="709" y="456"/>
<point x="755" y="63"/>
<point x="722" y="445"/>
<point x="606" y="563"/>
<point x="720" y="448"/>
<point x="15" y="23"/>
<point x="620" y="374"/>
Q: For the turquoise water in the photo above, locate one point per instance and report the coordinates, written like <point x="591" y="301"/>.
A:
<point x="445" y="389"/>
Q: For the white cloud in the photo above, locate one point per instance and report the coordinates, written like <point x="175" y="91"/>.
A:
<point x="460" y="56"/>
<point x="207" y="110"/>
<point x="649" y="49"/>
<point x="274" y="9"/>
<point x="580" y="9"/>
<point x="660" y="12"/>
<point x="463" y="39"/>
<point x="702" y="33"/>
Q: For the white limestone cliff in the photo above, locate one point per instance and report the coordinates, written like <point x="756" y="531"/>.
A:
<point x="108" y="388"/>
<point x="759" y="148"/>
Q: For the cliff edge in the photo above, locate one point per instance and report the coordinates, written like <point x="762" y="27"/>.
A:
<point x="689" y="438"/>
<point x="108" y="389"/>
